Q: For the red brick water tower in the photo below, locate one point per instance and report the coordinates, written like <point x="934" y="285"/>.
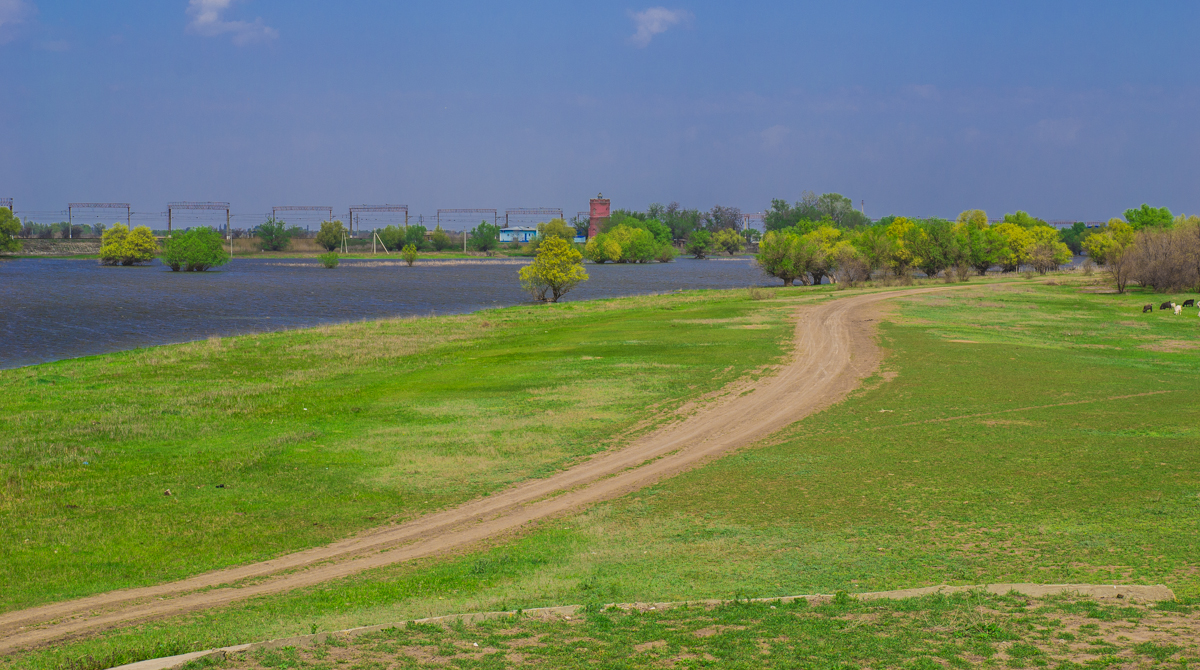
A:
<point x="599" y="214"/>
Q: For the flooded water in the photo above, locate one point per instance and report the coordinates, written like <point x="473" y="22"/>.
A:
<point x="52" y="309"/>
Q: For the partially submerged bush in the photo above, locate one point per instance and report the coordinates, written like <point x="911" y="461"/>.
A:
<point x="194" y="251"/>
<point x="121" y="246"/>
<point x="329" y="260"/>
<point x="409" y="254"/>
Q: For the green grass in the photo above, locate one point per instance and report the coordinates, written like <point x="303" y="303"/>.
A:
<point x="980" y="471"/>
<point x="961" y="630"/>
<point x="314" y="434"/>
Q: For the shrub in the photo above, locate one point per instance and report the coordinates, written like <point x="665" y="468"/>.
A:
<point x="329" y="260"/>
<point x="557" y="269"/>
<point x="275" y="234"/>
<point x="666" y="254"/>
<point x="194" y="251"/>
<point x="112" y="244"/>
<point x="409" y="254"/>
<point x="601" y="249"/>
<point x="699" y="245"/>
<point x="10" y="227"/>
<point x="331" y="234"/>
<point x="121" y="246"/>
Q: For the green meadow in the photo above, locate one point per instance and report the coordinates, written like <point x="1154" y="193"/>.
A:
<point x="272" y="443"/>
<point x="1018" y="431"/>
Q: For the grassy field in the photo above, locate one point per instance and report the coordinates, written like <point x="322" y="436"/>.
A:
<point x="963" y="630"/>
<point x="1019" y="431"/>
<point x="271" y="443"/>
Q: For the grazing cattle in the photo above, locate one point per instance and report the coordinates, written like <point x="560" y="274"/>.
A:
<point x="1190" y="302"/>
<point x="1178" y="310"/>
<point x="1147" y="308"/>
<point x="1166" y="305"/>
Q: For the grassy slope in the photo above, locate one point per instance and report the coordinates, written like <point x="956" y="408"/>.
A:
<point x="317" y="433"/>
<point x="855" y="498"/>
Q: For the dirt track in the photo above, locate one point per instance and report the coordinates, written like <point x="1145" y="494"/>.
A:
<point x="834" y="349"/>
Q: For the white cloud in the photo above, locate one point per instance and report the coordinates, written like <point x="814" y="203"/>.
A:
<point x="650" y="22"/>
<point x="207" y="21"/>
<point x="12" y="14"/>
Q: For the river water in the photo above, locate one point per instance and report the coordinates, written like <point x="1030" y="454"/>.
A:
<point x="52" y="309"/>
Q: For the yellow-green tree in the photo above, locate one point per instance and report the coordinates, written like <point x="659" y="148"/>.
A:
<point x="1014" y="239"/>
<point x="140" y="246"/>
<point x="1045" y="250"/>
<point x="331" y="234"/>
<point x="557" y="269"/>
<point x="1112" y="247"/>
<point x="112" y="244"/>
<point x="899" y="254"/>
<point x="409" y="254"/>
<point x="786" y="255"/>
<point x="556" y="228"/>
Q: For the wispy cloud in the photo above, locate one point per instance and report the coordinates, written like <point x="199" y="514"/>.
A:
<point x="655" y="20"/>
<point x="207" y="20"/>
<point x="13" y="13"/>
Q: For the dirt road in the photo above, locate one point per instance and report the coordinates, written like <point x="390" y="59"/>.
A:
<point x="834" y="349"/>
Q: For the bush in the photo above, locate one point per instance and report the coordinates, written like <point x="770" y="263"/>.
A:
<point x="666" y="254"/>
<point x="601" y="249"/>
<point x="331" y="234"/>
<point x="786" y="255"/>
<point x="10" y="227"/>
<point x="121" y="246"/>
<point x="557" y="269"/>
<point x="194" y="251"/>
<point x="409" y="254"/>
<point x="275" y="234"/>
<point x="329" y="260"/>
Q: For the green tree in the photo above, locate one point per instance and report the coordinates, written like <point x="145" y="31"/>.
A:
<point x="485" y="237"/>
<point x="331" y="234"/>
<point x="1149" y="217"/>
<point x="933" y="245"/>
<point x="409" y="254"/>
<point x="10" y="227"/>
<point x="723" y="218"/>
<point x="196" y="250"/>
<point x="275" y="234"/>
<point x="415" y="235"/>
<point x="729" y="241"/>
<point x="557" y="269"/>
<point x="699" y="244"/>
<point x="440" y="239"/>
<point x="391" y="236"/>
<point x="1073" y="236"/>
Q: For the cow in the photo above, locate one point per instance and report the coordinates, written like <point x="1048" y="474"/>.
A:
<point x="1190" y="302"/>
<point x="1178" y="310"/>
<point x="1166" y="305"/>
<point x="1147" y="308"/>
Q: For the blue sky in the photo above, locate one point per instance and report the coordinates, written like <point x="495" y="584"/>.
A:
<point x="1070" y="110"/>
